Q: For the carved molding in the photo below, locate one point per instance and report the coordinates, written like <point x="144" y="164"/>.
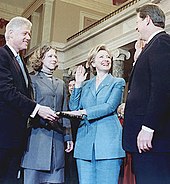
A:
<point x="71" y="71"/>
<point x="120" y="54"/>
<point x="155" y="1"/>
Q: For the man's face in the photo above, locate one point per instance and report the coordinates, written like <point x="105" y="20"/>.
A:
<point x="19" y="38"/>
<point x="141" y="27"/>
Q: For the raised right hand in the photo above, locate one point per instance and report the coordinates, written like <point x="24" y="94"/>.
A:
<point x="80" y="75"/>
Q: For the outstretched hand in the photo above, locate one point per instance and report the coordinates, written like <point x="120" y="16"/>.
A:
<point x="47" y="113"/>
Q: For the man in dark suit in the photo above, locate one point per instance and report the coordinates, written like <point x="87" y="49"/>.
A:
<point x="16" y="105"/>
<point x="146" y="131"/>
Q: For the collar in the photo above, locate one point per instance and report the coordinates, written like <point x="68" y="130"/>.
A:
<point x="103" y="77"/>
<point x="48" y="75"/>
<point x="154" y="34"/>
<point x="12" y="49"/>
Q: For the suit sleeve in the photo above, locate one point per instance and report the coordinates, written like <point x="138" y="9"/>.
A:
<point x="159" y="100"/>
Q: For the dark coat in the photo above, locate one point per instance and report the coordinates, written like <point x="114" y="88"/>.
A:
<point x="148" y="101"/>
<point x="15" y="101"/>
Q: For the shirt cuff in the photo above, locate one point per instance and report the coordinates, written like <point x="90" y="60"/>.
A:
<point x="37" y="107"/>
<point x="147" y="129"/>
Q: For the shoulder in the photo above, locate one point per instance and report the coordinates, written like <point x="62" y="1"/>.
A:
<point x="88" y="82"/>
<point x="35" y="77"/>
<point x="161" y="39"/>
<point x="59" y="80"/>
<point x="5" y="52"/>
<point x="117" y="80"/>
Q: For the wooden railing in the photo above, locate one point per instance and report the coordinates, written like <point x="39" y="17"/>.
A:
<point x="103" y="19"/>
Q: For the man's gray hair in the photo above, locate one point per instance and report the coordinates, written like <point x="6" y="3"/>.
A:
<point x="16" y="23"/>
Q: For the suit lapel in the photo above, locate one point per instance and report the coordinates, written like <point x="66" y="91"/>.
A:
<point x="55" y="83"/>
<point x="46" y="81"/>
<point x="92" y="86"/>
<point x="104" y="83"/>
<point x="13" y="59"/>
<point x="16" y="65"/>
<point x="147" y="46"/>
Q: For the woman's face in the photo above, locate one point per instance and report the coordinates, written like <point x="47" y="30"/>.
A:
<point x="50" y="60"/>
<point x="102" y="61"/>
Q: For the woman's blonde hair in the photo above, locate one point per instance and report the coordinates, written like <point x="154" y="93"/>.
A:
<point x="38" y="56"/>
<point x="92" y="54"/>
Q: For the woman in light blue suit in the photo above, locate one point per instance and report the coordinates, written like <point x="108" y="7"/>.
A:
<point x="98" y="147"/>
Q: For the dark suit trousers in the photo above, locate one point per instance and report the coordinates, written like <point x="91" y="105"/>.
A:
<point x="9" y="165"/>
<point x="151" y="168"/>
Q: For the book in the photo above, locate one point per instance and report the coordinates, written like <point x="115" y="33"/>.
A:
<point x="68" y="115"/>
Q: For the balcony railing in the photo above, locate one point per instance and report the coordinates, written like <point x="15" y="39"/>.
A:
<point x="103" y="19"/>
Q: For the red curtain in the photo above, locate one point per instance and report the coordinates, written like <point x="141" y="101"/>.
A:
<point x="3" y="23"/>
<point x="2" y="40"/>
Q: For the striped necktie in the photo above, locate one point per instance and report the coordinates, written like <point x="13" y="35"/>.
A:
<point x="18" y="58"/>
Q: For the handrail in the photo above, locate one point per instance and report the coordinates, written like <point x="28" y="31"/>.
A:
<point x="103" y="19"/>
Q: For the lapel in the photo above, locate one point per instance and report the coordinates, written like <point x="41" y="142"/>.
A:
<point x="15" y="64"/>
<point x="13" y="59"/>
<point x="92" y="86"/>
<point x="52" y="85"/>
<point x="55" y="83"/>
<point x="147" y="46"/>
<point x="105" y="82"/>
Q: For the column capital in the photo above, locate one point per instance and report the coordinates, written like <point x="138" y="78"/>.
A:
<point x="120" y="54"/>
<point x="70" y="71"/>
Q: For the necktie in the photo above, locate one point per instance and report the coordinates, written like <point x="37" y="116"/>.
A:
<point x="18" y="58"/>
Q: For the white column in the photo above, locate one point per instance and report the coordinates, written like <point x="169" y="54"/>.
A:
<point x="47" y="20"/>
<point x="35" y="19"/>
<point x="119" y="56"/>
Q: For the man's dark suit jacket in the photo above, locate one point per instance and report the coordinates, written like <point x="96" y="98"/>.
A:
<point x="15" y="101"/>
<point x="148" y="101"/>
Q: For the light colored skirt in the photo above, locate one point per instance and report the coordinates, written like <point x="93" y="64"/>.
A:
<point x="32" y="176"/>
<point x="38" y="177"/>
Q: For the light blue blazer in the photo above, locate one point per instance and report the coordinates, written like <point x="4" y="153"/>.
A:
<point x="101" y="130"/>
